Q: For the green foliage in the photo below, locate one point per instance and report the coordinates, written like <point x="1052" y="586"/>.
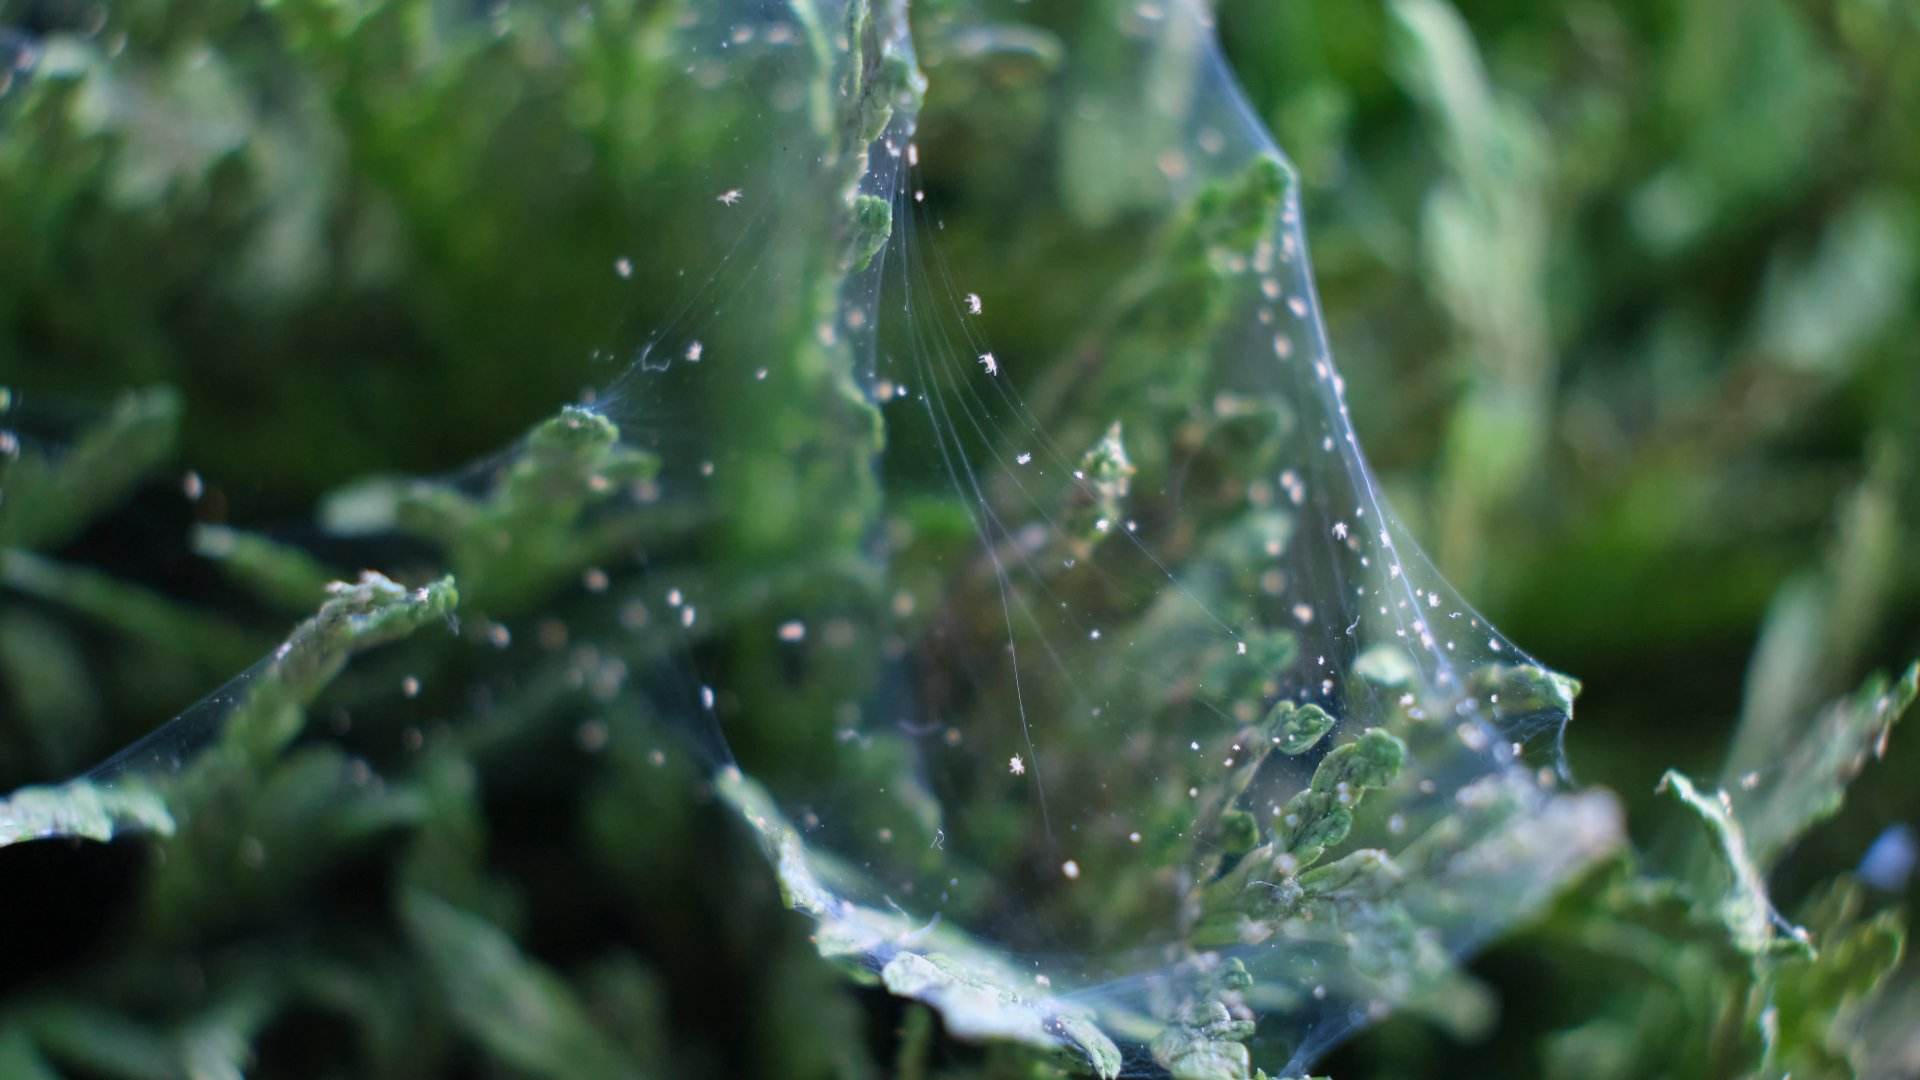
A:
<point x="83" y="809"/>
<point x="138" y="613"/>
<point x="1626" y="294"/>
<point x="978" y="995"/>
<point x="257" y="715"/>
<point x="1298" y="728"/>
<point x="1105" y="475"/>
<point x="1804" y="786"/>
<point x="510" y="547"/>
<point x="50" y="496"/>
<point x="1746" y="913"/>
<point x="1321" y="816"/>
<point x="527" y="1017"/>
<point x="278" y="573"/>
<point x="1707" y="950"/>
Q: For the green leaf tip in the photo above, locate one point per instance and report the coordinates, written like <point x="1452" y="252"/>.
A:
<point x="1098" y="499"/>
<point x="46" y="498"/>
<point x="272" y="697"/>
<point x="1806" y="781"/>
<point x="1206" y="1037"/>
<point x="1371" y="761"/>
<point x="1239" y="212"/>
<point x="800" y="887"/>
<point x="1322" y="816"/>
<point x="359" y="615"/>
<point x="567" y="499"/>
<point x="1746" y="910"/>
<point x="1239" y="832"/>
<point x="1296" y="729"/>
<point x="979" y="995"/>
<point x="1206" y="1045"/>
<point x="979" y="1003"/>
<point x="570" y="456"/>
<point x="872" y="225"/>
<point x="84" y="809"/>
<point x="282" y="574"/>
<point x="1252" y="897"/>
<point x="892" y="83"/>
<point x="1106" y="465"/>
<point x="1525" y="689"/>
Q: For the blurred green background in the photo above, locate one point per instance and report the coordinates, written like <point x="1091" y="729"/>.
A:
<point x="1627" y="296"/>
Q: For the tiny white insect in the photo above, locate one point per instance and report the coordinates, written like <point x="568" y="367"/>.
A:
<point x="1016" y="766"/>
<point x="1023" y="458"/>
<point x="1339" y="530"/>
<point x="987" y="361"/>
<point x="728" y="197"/>
<point x="973" y="303"/>
<point x="694" y="350"/>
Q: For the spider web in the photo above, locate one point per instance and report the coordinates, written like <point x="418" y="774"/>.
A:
<point x="1023" y="583"/>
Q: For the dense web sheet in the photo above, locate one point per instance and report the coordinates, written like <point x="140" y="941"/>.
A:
<point x="1082" y="686"/>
